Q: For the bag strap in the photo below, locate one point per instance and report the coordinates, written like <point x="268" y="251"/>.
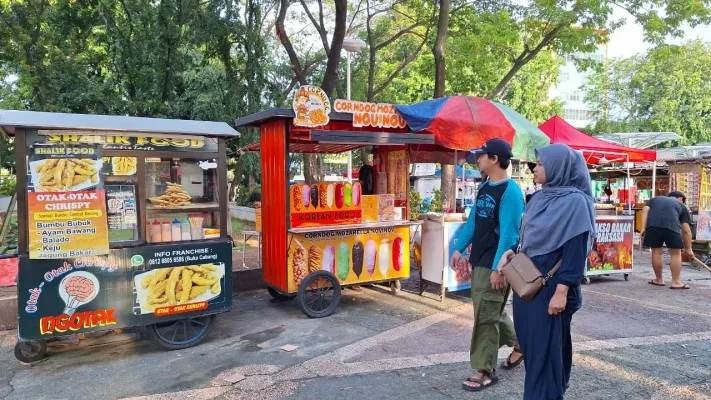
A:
<point x="552" y="272"/>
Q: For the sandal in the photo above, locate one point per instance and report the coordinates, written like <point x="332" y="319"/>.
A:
<point x="508" y="365"/>
<point x="680" y="287"/>
<point x="655" y="283"/>
<point x="486" y="380"/>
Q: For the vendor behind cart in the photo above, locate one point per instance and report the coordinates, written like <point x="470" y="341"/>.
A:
<point x="666" y="221"/>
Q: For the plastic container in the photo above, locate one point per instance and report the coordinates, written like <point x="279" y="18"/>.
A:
<point x="175" y="231"/>
<point x="165" y="232"/>
<point x="185" y="229"/>
<point x="155" y="235"/>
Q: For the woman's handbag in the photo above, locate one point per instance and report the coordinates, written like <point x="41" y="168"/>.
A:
<point x="523" y="275"/>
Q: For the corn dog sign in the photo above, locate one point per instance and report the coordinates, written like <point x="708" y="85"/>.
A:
<point x="66" y="202"/>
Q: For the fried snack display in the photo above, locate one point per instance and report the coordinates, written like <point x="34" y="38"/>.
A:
<point x="180" y="285"/>
<point x="343" y="261"/>
<point x="174" y="196"/>
<point x="298" y="264"/>
<point x="323" y="195"/>
<point x="318" y="117"/>
<point x="297" y="198"/>
<point x="63" y="174"/>
<point x="123" y="165"/>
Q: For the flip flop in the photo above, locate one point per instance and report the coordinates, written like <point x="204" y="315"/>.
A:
<point x="680" y="287"/>
<point x="493" y="380"/>
<point x="509" y="365"/>
<point x="655" y="283"/>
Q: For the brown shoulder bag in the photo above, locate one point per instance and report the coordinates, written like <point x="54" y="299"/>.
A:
<point x="524" y="277"/>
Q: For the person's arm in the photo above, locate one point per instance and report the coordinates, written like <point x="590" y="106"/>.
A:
<point x="570" y="273"/>
<point x="685" y="220"/>
<point x="510" y="213"/>
<point x="466" y="235"/>
<point x="645" y="214"/>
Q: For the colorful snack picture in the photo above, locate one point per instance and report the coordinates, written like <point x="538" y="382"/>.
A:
<point x="56" y="175"/>
<point x="371" y="255"/>
<point x="323" y="195"/>
<point x="296" y="198"/>
<point x="357" y="254"/>
<point x="298" y="265"/>
<point x="314" y="259"/>
<point x="314" y="196"/>
<point x="330" y="194"/>
<point x="306" y="195"/>
<point x="329" y="259"/>
<point x="384" y="259"/>
<point x="398" y="254"/>
<point x="355" y="194"/>
<point x="340" y="193"/>
<point x="347" y="194"/>
<point x="165" y="287"/>
<point x="343" y="261"/>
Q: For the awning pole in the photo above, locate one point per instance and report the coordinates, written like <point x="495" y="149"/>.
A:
<point x="629" y="186"/>
<point x="654" y="180"/>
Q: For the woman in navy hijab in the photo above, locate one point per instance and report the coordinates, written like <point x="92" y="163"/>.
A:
<point x="558" y="225"/>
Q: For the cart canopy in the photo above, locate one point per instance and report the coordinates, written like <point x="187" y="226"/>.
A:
<point x="593" y="149"/>
<point x="11" y="119"/>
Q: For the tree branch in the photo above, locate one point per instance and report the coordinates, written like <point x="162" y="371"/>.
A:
<point x="317" y="24"/>
<point x="334" y="55"/>
<point x="288" y="46"/>
<point x="524" y="58"/>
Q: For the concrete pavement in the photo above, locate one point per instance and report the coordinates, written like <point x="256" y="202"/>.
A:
<point x="632" y="341"/>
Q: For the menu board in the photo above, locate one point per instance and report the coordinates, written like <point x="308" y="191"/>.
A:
<point x="121" y="211"/>
<point x="66" y="202"/>
<point x="325" y="204"/>
<point x="613" y="246"/>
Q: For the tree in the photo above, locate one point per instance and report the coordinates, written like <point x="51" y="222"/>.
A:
<point x="666" y="89"/>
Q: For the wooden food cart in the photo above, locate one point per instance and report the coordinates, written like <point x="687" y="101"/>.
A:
<point x="122" y="223"/>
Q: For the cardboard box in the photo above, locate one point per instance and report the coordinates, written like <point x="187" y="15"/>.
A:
<point x="258" y="219"/>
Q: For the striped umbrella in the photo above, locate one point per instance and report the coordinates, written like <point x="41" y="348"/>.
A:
<point x="466" y="122"/>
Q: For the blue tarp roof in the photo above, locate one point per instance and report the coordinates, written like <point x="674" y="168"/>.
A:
<point x="471" y="173"/>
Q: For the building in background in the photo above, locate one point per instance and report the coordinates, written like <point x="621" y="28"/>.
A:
<point x="570" y="88"/>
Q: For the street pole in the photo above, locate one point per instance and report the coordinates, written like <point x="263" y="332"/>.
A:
<point x="348" y="94"/>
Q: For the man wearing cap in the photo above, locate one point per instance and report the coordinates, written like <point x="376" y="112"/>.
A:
<point x="491" y="229"/>
<point x="666" y="220"/>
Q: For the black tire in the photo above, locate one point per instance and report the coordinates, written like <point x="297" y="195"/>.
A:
<point x="319" y="294"/>
<point x="181" y="334"/>
<point x="586" y="280"/>
<point x="395" y="287"/>
<point x="277" y="295"/>
<point x="627" y="277"/>
<point x="31" y="351"/>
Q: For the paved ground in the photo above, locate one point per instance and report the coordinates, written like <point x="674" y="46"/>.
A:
<point x="632" y="341"/>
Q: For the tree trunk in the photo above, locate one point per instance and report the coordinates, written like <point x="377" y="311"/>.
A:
<point x="448" y="185"/>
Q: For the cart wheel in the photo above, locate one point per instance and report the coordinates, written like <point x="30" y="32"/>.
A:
<point x="586" y="280"/>
<point x="627" y="277"/>
<point x="31" y="351"/>
<point x="183" y="333"/>
<point x="279" y="296"/>
<point x="395" y="287"/>
<point x="319" y="294"/>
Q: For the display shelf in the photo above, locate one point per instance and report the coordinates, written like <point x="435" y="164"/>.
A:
<point x="193" y="207"/>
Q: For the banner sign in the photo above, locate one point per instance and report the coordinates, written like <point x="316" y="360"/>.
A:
<point x="613" y="247"/>
<point x="311" y="107"/>
<point x="459" y="277"/>
<point x="371" y="114"/>
<point x="325" y="204"/>
<point x="129" y="141"/>
<point x="352" y="255"/>
<point x="66" y="202"/>
<point x="129" y="287"/>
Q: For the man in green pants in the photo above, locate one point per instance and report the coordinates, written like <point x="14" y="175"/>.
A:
<point x="492" y="228"/>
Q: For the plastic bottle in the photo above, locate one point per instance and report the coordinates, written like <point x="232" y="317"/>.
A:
<point x="185" y="229"/>
<point x="155" y="235"/>
<point x="175" y="230"/>
<point x="165" y="231"/>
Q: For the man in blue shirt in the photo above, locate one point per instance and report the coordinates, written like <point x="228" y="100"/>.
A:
<point x="491" y="229"/>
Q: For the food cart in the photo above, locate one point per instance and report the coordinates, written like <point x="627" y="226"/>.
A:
<point x="321" y="236"/>
<point x="122" y="223"/>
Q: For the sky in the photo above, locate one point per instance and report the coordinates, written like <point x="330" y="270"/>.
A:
<point x="628" y="39"/>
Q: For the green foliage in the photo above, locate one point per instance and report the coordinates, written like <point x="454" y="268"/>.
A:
<point x="244" y="194"/>
<point x="7" y="187"/>
<point x="666" y="89"/>
<point x="415" y="204"/>
<point x="437" y="203"/>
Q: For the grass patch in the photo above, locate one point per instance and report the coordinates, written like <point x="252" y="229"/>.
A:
<point x="239" y="226"/>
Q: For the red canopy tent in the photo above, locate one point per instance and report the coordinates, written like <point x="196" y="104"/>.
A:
<point x="594" y="149"/>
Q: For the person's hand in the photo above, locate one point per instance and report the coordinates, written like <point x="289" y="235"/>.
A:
<point x="505" y="258"/>
<point x="455" y="259"/>
<point x="497" y="280"/>
<point x="558" y="301"/>
<point x="689" y="251"/>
